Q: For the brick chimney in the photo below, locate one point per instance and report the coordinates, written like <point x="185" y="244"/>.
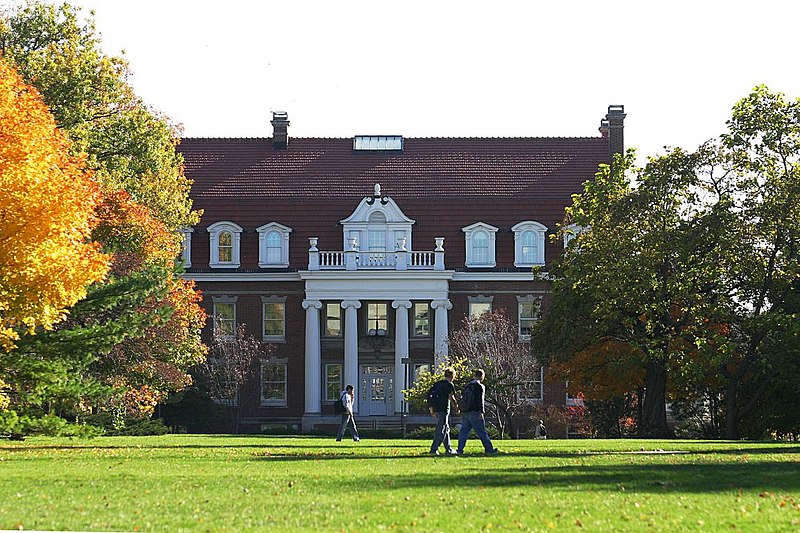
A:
<point x="280" y="130"/>
<point x="612" y="128"/>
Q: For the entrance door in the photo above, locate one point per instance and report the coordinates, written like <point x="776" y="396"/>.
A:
<point x="377" y="390"/>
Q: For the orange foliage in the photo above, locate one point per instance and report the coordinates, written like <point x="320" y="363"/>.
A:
<point x="47" y="203"/>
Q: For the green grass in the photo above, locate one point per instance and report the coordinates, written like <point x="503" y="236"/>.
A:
<point x="221" y="483"/>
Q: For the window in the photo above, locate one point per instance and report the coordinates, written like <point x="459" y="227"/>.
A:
<point x="570" y="232"/>
<point x="273" y="383"/>
<point x="528" y="314"/>
<point x="476" y="309"/>
<point x="186" y="249"/>
<point x="273" y="245"/>
<point x="274" y="317"/>
<point x="480" y="245"/>
<point x="333" y="319"/>
<point x="529" y="243"/>
<point x="224" y="316"/>
<point x="422" y="320"/>
<point x="222" y="382"/>
<point x="224" y="242"/>
<point x="378" y="142"/>
<point x="377" y="317"/>
<point x="533" y="390"/>
<point x="333" y="381"/>
<point x="419" y="368"/>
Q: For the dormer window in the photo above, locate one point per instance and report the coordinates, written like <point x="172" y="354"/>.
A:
<point x="480" y="241"/>
<point x="186" y="248"/>
<point x="224" y="243"/>
<point x="273" y="245"/>
<point x="529" y="243"/>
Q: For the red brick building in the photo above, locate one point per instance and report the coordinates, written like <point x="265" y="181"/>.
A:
<point x="356" y="256"/>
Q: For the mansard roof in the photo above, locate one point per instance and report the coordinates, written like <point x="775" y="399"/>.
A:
<point x="522" y="168"/>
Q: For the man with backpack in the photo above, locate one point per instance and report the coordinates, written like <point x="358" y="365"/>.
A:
<point x="472" y="409"/>
<point x="346" y="400"/>
<point x="441" y="396"/>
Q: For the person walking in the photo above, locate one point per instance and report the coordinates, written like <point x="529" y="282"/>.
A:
<point x="440" y="399"/>
<point x="541" y="430"/>
<point x="347" y="398"/>
<point x="472" y="409"/>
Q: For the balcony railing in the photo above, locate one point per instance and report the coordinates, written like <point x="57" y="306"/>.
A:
<point x="353" y="259"/>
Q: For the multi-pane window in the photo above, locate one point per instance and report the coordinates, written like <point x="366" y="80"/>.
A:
<point x="528" y="315"/>
<point x="274" y="320"/>
<point x="480" y="248"/>
<point x="476" y="309"/>
<point x="274" y="247"/>
<point x="222" y="382"/>
<point x="333" y="381"/>
<point x="377" y="318"/>
<point x="377" y="240"/>
<point x="530" y="248"/>
<point x="224" y="319"/>
<point x="532" y="390"/>
<point x="419" y="368"/>
<point x="273" y="383"/>
<point x="422" y="320"/>
<point x="333" y="319"/>
<point x="225" y="247"/>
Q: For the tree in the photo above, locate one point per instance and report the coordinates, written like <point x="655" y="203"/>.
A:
<point x="513" y="376"/>
<point x="638" y="278"/>
<point x="231" y="365"/>
<point x="145" y="201"/>
<point x="47" y="202"/>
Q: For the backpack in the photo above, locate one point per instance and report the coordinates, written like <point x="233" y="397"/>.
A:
<point x="468" y="398"/>
<point x="436" y="397"/>
<point x="338" y="406"/>
<point x="542" y="431"/>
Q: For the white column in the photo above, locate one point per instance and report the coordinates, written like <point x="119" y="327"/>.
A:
<point x="313" y="356"/>
<point x="440" y="326"/>
<point x="400" y="351"/>
<point x="351" y="346"/>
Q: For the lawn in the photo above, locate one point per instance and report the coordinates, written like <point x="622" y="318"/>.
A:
<point x="233" y="483"/>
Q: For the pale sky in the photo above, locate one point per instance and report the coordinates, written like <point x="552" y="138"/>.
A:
<point x="454" y="69"/>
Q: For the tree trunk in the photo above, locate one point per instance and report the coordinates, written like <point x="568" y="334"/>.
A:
<point x="654" y="411"/>
<point x="732" y="410"/>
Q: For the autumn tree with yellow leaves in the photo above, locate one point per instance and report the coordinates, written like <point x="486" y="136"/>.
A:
<point x="47" y="213"/>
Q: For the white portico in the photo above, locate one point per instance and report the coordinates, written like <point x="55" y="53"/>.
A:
<point x="383" y="274"/>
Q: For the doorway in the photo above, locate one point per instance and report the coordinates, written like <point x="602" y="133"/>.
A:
<point x="377" y="390"/>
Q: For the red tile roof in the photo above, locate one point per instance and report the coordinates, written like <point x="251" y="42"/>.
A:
<point x="523" y="168"/>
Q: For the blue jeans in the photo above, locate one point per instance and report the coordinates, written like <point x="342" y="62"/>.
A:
<point x="347" y="421"/>
<point x="473" y="420"/>
<point x="442" y="432"/>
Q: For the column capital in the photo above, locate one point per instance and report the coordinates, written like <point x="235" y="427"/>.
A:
<point x="446" y="304"/>
<point x="397" y="304"/>
<point x="316" y="304"/>
<point x="351" y="303"/>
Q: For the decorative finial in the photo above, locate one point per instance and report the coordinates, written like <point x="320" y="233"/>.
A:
<point x="378" y="190"/>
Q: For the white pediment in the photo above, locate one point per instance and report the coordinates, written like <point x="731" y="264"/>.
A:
<point x="377" y="204"/>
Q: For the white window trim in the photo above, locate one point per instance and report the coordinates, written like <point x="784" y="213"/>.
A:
<point x="273" y="300"/>
<point x="263" y="232"/>
<point x="186" y="249"/>
<point x="529" y="298"/>
<point x="571" y="231"/>
<point x="540" y="230"/>
<point x="223" y="300"/>
<point x="215" y="230"/>
<point x="470" y="232"/>
<point x="276" y="402"/>
<point x="414" y="321"/>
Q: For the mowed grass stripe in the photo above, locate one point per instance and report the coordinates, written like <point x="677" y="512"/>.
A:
<point x="234" y="483"/>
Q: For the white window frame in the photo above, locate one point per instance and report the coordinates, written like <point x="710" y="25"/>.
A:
<point x="481" y="300"/>
<point x="337" y="390"/>
<point x="534" y="399"/>
<point x="272" y="300"/>
<point x="227" y="300"/>
<point x="376" y="320"/>
<point x="414" y="320"/>
<point x="186" y="248"/>
<point x="263" y="236"/>
<point x="215" y="230"/>
<point x="469" y="233"/>
<point x="338" y="307"/>
<point x="276" y="402"/>
<point x="570" y="232"/>
<point x="528" y="299"/>
<point x="539" y="231"/>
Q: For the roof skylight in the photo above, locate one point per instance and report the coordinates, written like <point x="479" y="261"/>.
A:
<point x="378" y="142"/>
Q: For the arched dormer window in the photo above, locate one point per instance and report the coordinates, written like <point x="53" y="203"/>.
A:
<point x="529" y="243"/>
<point x="273" y="245"/>
<point x="224" y="244"/>
<point x="480" y="243"/>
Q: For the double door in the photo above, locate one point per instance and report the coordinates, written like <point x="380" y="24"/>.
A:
<point x="377" y="390"/>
